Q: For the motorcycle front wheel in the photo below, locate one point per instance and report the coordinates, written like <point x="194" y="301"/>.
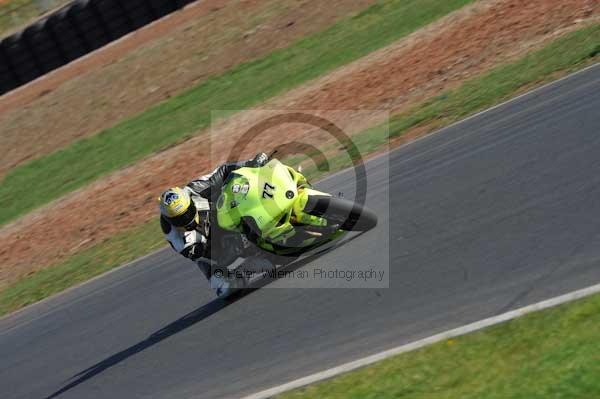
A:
<point x="349" y="215"/>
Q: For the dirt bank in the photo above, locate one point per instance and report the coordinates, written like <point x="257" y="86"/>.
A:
<point x="443" y="55"/>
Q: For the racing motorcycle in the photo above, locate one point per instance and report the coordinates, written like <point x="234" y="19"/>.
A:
<point x="277" y="209"/>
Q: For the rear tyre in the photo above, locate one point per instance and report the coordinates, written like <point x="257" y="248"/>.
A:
<point x="349" y="215"/>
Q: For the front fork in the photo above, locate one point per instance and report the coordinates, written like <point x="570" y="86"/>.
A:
<point x="298" y="214"/>
<point x="305" y="190"/>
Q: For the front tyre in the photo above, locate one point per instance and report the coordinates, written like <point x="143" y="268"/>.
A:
<point x="349" y="215"/>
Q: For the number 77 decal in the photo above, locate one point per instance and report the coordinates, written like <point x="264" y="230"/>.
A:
<point x="267" y="191"/>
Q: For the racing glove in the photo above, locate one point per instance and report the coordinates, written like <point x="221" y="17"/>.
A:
<point x="260" y="159"/>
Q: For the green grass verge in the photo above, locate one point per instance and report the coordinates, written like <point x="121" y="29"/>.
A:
<point x="550" y="354"/>
<point x="566" y="54"/>
<point x="120" y="249"/>
<point x="47" y="178"/>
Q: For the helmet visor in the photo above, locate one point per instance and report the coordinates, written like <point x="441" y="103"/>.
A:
<point x="186" y="217"/>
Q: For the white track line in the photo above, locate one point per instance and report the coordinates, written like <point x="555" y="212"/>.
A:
<point x="478" y="325"/>
<point x="344" y="368"/>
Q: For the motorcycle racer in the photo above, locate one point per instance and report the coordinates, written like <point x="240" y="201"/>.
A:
<point x="188" y="221"/>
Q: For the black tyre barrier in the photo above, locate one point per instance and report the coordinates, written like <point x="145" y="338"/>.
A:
<point x="71" y="32"/>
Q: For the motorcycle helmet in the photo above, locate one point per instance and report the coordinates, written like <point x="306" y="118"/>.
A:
<point x="178" y="208"/>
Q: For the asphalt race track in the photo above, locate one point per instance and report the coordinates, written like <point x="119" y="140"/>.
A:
<point x="497" y="212"/>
